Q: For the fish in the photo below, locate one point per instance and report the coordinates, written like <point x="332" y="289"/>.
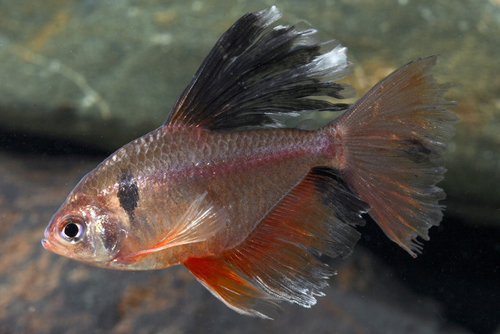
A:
<point x="250" y="206"/>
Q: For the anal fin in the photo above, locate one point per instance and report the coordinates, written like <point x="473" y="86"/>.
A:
<point x="279" y="260"/>
<point x="235" y="289"/>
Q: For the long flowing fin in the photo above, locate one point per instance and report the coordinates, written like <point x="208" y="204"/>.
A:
<point x="390" y="146"/>
<point x="254" y="76"/>
<point x="279" y="260"/>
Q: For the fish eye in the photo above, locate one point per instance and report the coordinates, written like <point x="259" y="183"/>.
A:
<point x="72" y="229"/>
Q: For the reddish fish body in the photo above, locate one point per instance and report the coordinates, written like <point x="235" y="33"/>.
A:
<point x="248" y="207"/>
<point x="242" y="173"/>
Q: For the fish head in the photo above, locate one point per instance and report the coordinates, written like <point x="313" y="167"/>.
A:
<point x="85" y="231"/>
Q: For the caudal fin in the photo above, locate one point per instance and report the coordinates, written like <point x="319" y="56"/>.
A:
<point x="392" y="141"/>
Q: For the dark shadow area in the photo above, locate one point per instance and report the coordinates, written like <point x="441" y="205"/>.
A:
<point x="23" y="143"/>
<point x="459" y="267"/>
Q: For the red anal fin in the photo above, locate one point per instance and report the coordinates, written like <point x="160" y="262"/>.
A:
<point x="232" y="287"/>
<point x="393" y="140"/>
<point x="279" y="259"/>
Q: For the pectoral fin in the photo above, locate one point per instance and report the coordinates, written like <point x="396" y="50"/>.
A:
<point x="201" y="221"/>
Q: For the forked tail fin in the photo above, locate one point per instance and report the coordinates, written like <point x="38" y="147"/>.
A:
<point x="390" y="146"/>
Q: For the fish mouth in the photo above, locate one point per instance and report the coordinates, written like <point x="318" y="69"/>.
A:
<point x="46" y="244"/>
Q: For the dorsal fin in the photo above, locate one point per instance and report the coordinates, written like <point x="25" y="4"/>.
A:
<point x="279" y="260"/>
<point x="252" y="75"/>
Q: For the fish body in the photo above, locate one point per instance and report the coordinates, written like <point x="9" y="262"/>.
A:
<point x="239" y="174"/>
<point x="249" y="206"/>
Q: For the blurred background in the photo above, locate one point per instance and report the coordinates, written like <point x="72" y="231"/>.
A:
<point x="80" y="78"/>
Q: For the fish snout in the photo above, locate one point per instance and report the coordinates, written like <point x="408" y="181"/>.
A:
<point x="46" y="244"/>
<point x="47" y="236"/>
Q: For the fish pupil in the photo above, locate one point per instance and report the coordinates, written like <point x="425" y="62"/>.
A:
<point x="71" y="230"/>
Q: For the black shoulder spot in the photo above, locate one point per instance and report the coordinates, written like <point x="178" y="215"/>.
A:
<point x="128" y="193"/>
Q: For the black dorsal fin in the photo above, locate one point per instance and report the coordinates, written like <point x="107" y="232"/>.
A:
<point x="253" y="76"/>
